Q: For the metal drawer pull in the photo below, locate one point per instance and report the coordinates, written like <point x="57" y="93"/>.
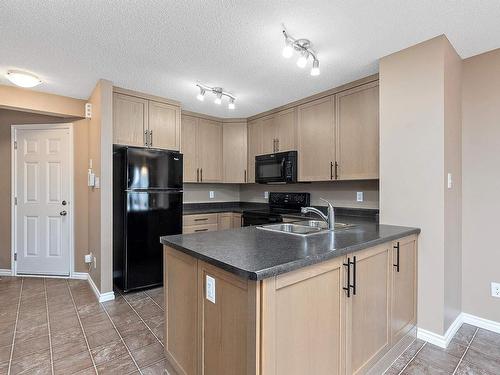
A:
<point x="347" y="288"/>
<point x="397" y="257"/>
<point x="201" y="230"/>
<point x="353" y="286"/>
<point x="203" y="219"/>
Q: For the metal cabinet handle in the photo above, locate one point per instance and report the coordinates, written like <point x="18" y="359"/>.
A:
<point x="336" y="170"/>
<point x="151" y="138"/>
<point x="201" y="230"/>
<point x="277" y="144"/>
<point x="63" y="213"/>
<point x="197" y="174"/>
<point x="201" y="174"/>
<point x="331" y="170"/>
<point x="245" y="178"/>
<point x="146" y="138"/>
<point x="203" y="219"/>
<point x="353" y="286"/>
<point x="397" y="256"/>
<point x="347" y="288"/>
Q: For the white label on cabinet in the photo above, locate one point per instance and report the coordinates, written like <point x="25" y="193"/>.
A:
<point x="210" y="288"/>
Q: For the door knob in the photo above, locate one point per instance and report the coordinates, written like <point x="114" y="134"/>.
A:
<point x="64" y="203"/>
<point x="63" y="213"/>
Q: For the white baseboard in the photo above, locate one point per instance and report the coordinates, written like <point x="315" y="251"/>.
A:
<point x="102" y="297"/>
<point x="490" y="325"/>
<point x="441" y="340"/>
<point x="5" y="272"/>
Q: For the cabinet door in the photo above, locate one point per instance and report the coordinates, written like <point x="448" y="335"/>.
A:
<point x="269" y="135"/>
<point x="234" y="151"/>
<point x="130" y="120"/>
<point x="254" y="146"/>
<point x="285" y="123"/>
<point x="209" y="147"/>
<point x="164" y="125"/>
<point x="303" y="320"/>
<point x="367" y="325"/>
<point x="315" y="136"/>
<point x="224" y="220"/>
<point x="236" y="220"/>
<point x="404" y="287"/>
<point x="181" y="322"/>
<point x="357" y="122"/>
<point x="189" y="126"/>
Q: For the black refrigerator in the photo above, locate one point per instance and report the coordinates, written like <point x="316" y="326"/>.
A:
<point x="147" y="204"/>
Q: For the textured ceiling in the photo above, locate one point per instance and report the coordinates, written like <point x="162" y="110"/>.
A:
<point x="164" y="47"/>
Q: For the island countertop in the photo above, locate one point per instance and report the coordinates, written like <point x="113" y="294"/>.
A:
<point x="257" y="254"/>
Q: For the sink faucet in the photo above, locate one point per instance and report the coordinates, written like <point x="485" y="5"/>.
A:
<point x="329" y="218"/>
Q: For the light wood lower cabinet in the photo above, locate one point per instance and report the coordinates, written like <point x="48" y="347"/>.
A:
<point x="301" y="322"/>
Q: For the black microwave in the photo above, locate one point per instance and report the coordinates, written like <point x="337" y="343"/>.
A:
<point x="276" y="168"/>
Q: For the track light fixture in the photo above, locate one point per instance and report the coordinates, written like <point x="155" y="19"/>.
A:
<point x="303" y="47"/>
<point x="219" y="93"/>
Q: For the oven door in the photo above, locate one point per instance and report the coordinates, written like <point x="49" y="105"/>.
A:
<point x="270" y="168"/>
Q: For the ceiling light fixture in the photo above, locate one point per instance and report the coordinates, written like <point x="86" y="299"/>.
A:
<point x="23" y="79"/>
<point x="303" y="47"/>
<point x="219" y="93"/>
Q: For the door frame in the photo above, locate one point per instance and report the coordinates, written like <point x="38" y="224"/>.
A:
<point x="14" y="129"/>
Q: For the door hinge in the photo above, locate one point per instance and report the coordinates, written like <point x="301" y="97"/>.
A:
<point x="15" y="257"/>
<point x="15" y="201"/>
<point x="15" y="145"/>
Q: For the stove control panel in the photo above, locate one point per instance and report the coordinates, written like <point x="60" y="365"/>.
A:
<point x="289" y="200"/>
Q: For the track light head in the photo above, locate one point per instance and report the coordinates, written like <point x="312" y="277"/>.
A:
<point x="315" y="68"/>
<point x="201" y="95"/>
<point x="302" y="60"/>
<point x="218" y="99"/>
<point x="231" y="103"/>
<point x="288" y="49"/>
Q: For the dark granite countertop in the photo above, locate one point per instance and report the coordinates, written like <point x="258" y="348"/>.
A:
<point x="258" y="254"/>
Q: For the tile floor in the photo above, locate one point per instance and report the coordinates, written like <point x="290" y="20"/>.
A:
<point x="473" y="351"/>
<point x="56" y="326"/>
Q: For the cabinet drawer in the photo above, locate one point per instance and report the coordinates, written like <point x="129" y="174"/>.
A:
<point x="199" y="219"/>
<point x="199" y="228"/>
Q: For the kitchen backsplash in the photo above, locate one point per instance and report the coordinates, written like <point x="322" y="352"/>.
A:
<point x="341" y="193"/>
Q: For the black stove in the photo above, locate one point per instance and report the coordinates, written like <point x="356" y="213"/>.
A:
<point x="279" y="204"/>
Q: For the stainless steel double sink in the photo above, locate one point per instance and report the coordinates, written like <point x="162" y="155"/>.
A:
<point x="304" y="228"/>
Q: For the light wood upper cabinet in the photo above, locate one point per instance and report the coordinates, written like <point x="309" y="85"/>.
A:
<point x="209" y="150"/>
<point x="139" y="121"/>
<point x="315" y="140"/>
<point x="164" y="125"/>
<point x="130" y="120"/>
<point x="234" y="151"/>
<point x="269" y="135"/>
<point x="368" y="311"/>
<point x="285" y="123"/>
<point x="254" y="146"/>
<point x="404" y="287"/>
<point x="357" y="123"/>
<point x="189" y="127"/>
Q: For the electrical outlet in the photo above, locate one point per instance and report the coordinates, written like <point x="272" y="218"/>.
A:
<point x="95" y="262"/>
<point x="495" y="290"/>
<point x="266" y="195"/>
<point x="359" y="196"/>
<point x="211" y="194"/>
<point x="450" y="181"/>
<point x="89" y="258"/>
<point x="210" y="288"/>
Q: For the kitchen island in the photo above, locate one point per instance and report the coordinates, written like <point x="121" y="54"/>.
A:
<point x="250" y="301"/>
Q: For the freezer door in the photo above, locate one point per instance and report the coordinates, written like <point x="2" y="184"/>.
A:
<point x="153" y="169"/>
<point x="149" y="216"/>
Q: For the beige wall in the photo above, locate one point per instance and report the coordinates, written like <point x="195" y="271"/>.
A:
<point x="481" y="183"/>
<point x="199" y="193"/>
<point x="341" y="193"/>
<point x="100" y="228"/>
<point x="10" y="117"/>
<point x="415" y="125"/>
<point x="17" y="98"/>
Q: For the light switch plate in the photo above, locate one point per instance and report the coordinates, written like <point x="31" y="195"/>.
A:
<point x="266" y="195"/>
<point x="495" y="290"/>
<point x="359" y="196"/>
<point x="450" y="181"/>
<point x="211" y="194"/>
<point x="210" y="288"/>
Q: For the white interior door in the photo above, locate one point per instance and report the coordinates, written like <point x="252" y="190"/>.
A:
<point x="43" y="209"/>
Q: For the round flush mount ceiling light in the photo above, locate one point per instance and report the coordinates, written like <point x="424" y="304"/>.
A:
<point x="303" y="48"/>
<point x="23" y="79"/>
